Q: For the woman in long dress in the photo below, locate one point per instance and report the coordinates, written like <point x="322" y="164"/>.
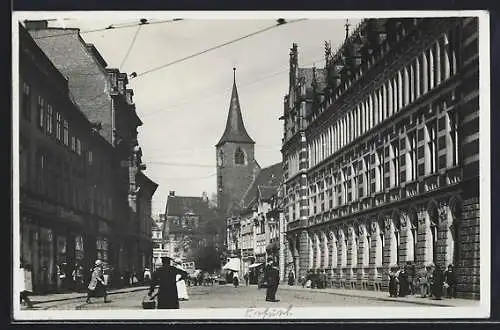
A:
<point x="182" y="293"/>
<point x="24" y="273"/>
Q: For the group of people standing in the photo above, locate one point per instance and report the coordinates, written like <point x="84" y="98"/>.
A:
<point x="314" y="279"/>
<point x="430" y="281"/>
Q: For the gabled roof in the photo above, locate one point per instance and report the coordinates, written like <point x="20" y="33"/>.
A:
<point x="182" y="205"/>
<point x="235" y="129"/>
<point x="265" y="184"/>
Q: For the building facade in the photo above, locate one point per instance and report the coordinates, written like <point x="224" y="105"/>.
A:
<point x="159" y="247"/>
<point x="381" y="154"/>
<point x="191" y="225"/>
<point x="66" y="173"/>
<point x="236" y="164"/>
<point x="247" y="195"/>
<point x="103" y="98"/>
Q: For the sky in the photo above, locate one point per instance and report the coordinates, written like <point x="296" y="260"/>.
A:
<point x="184" y="106"/>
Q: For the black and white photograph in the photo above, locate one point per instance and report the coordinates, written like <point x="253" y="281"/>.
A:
<point x="251" y="165"/>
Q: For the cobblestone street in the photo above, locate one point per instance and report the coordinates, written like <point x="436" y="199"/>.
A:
<point x="243" y="297"/>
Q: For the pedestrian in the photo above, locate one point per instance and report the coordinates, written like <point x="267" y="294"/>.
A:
<point x="78" y="277"/>
<point x="182" y="293"/>
<point x="246" y="278"/>
<point x="410" y="269"/>
<point x="451" y="282"/>
<point x="291" y="277"/>
<point x="97" y="286"/>
<point x="61" y="277"/>
<point x="437" y="282"/>
<point x="272" y="277"/>
<point x="403" y="282"/>
<point x="147" y="276"/>
<point x="26" y="283"/>
<point x="236" y="279"/>
<point x="166" y="279"/>
<point x="393" y="282"/>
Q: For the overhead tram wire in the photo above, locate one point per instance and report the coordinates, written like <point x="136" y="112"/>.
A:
<point x="278" y="24"/>
<point x="112" y="27"/>
<point x="241" y="85"/>
<point x="179" y="164"/>
<point x="131" y="45"/>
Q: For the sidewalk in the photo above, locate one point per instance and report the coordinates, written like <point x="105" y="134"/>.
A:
<point x="55" y="297"/>
<point x="384" y="296"/>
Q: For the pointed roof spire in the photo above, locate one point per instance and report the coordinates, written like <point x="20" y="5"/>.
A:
<point x="347" y="25"/>
<point x="235" y="129"/>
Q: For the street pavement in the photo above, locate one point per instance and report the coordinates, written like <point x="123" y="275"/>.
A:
<point x="227" y="296"/>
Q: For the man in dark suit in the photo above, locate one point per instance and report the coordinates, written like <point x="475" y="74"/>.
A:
<point x="272" y="277"/>
<point x="165" y="278"/>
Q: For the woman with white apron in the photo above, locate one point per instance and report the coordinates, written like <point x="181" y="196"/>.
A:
<point x="182" y="293"/>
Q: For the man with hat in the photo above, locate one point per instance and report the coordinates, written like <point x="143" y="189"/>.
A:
<point x="272" y="278"/>
<point x="166" y="278"/>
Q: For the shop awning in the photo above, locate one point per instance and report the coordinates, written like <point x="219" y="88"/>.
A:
<point x="255" y="265"/>
<point x="233" y="264"/>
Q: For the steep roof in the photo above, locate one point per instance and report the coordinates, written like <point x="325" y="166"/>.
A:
<point x="181" y="205"/>
<point x="265" y="184"/>
<point x="235" y="129"/>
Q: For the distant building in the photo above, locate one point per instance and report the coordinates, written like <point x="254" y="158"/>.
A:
<point x="159" y="247"/>
<point x="245" y="192"/>
<point x="190" y="223"/>
<point x="381" y="153"/>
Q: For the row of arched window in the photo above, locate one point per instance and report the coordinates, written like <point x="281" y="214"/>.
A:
<point x="433" y="66"/>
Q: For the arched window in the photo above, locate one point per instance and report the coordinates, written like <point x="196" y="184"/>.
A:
<point x="239" y="157"/>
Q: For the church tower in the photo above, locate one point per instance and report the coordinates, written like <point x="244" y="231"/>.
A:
<point x="236" y="165"/>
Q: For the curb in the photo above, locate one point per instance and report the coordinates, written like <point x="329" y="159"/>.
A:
<point x="83" y="296"/>
<point x="376" y="298"/>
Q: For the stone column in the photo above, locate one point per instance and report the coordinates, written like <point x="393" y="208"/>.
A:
<point x="405" y="239"/>
<point x="325" y="253"/>
<point x="445" y="244"/>
<point x="333" y="257"/>
<point x="376" y="255"/>
<point x="363" y="256"/>
<point x="424" y="243"/>
<point x="342" y="256"/>
<point x="303" y="253"/>
<point x="352" y="255"/>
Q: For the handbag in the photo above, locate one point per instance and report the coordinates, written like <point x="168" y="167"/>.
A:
<point x="149" y="302"/>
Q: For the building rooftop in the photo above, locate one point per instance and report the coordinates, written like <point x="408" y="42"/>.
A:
<point x="235" y="128"/>
<point x="265" y="184"/>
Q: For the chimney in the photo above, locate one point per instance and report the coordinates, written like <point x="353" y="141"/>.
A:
<point x="36" y="25"/>
<point x="171" y="193"/>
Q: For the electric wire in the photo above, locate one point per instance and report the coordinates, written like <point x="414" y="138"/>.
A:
<point x="215" y="47"/>
<point x="130" y="46"/>
<point x="223" y="92"/>
<point x="109" y="28"/>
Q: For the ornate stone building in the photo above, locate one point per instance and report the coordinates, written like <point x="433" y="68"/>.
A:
<point x="381" y="153"/>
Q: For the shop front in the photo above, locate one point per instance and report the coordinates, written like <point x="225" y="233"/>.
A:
<point x="48" y="244"/>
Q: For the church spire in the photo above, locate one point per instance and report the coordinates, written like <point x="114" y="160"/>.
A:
<point x="235" y="129"/>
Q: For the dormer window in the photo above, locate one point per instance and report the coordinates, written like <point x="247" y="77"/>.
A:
<point x="239" y="157"/>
